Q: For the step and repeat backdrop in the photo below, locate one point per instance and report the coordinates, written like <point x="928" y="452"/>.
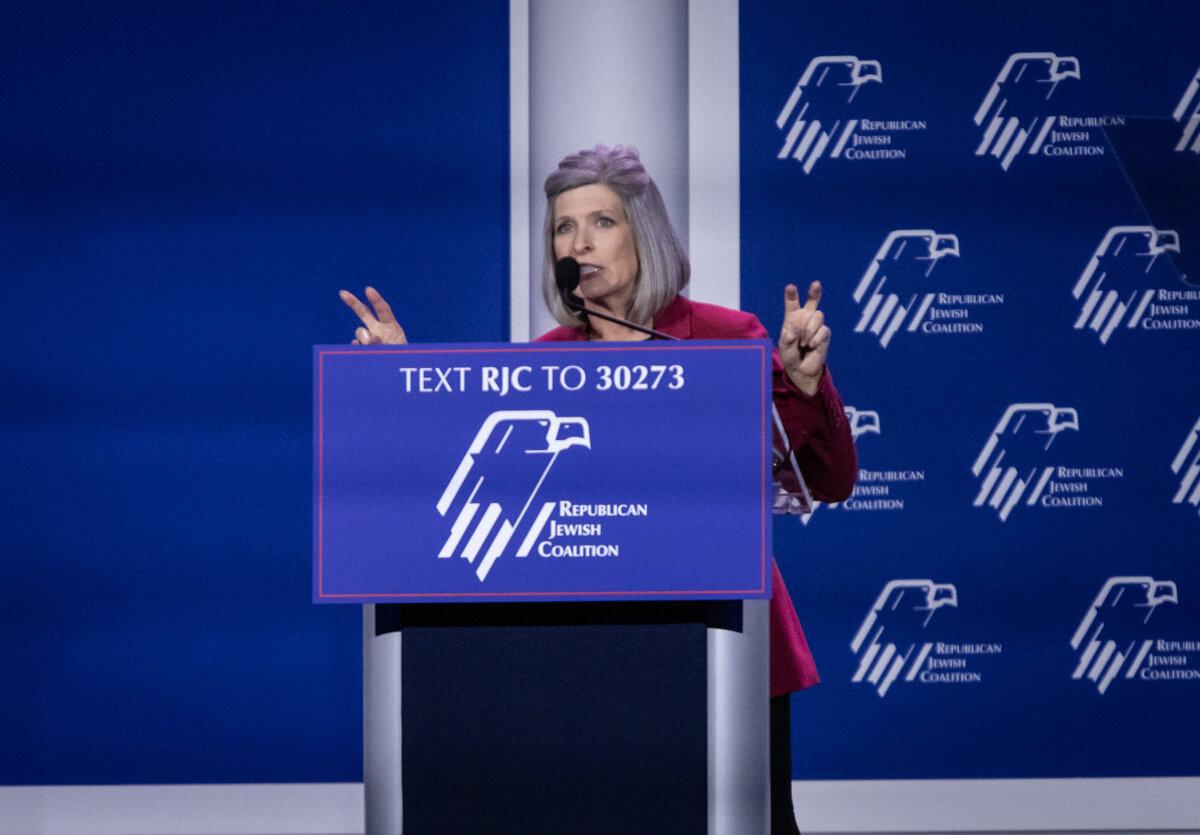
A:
<point x="1002" y="203"/>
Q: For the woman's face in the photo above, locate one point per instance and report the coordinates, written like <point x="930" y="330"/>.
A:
<point x="591" y="227"/>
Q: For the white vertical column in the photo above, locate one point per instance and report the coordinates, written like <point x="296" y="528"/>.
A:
<point x="739" y="725"/>
<point x="518" y="171"/>
<point x="383" y="801"/>
<point x="605" y="73"/>
<point x="630" y="72"/>
<point x="714" y="142"/>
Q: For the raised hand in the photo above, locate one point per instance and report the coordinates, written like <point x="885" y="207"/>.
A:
<point x="804" y="339"/>
<point x="379" y="327"/>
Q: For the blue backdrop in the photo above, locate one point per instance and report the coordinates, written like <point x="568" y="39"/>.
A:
<point x="959" y="251"/>
<point x="184" y="190"/>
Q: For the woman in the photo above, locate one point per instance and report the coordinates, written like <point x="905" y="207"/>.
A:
<point x="604" y="211"/>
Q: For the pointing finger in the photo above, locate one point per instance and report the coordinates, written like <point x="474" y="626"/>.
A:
<point x="791" y="298"/>
<point x="383" y="310"/>
<point x="360" y="309"/>
<point x="813" y="324"/>
<point x="814" y="296"/>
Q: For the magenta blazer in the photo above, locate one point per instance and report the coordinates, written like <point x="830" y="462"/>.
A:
<point x="820" y="436"/>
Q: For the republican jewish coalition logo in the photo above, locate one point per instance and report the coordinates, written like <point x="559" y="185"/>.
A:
<point x="1127" y="284"/>
<point x="1187" y="113"/>
<point x="876" y="489"/>
<point x="1186" y="465"/>
<point x="862" y="422"/>
<point x="1015" y="114"/>
<point x="1009" y="464"/>
<point x="502" y="472"/>
<point x="887" y="641"/>
<point x="893" y="292"/>
<point x="1111" y="639"/>
<point x="822" y="118"/>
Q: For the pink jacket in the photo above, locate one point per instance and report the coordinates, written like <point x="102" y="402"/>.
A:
<point x="820" y="435"/>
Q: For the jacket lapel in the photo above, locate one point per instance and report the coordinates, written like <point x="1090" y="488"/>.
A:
<point x="675" y="319"/>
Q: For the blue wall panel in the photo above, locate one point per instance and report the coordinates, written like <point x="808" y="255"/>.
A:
<point x="989" y="642"/>
<point x="183" y="190"/>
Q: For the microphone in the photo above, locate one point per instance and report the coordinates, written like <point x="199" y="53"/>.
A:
<point x="566" y="278"/>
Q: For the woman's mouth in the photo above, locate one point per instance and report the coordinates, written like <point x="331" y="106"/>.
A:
<point x="587" y="270"/>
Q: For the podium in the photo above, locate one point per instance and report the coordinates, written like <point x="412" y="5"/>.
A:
<point x="600" y="717"/>
<point x="564" y="552"/>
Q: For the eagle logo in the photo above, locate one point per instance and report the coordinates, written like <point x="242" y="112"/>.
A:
<point x="861" y="421"/>
<point x="1187" y="112"/>
<point x="1112" y="287"/>
<point x="1010" y="112"/>
<point x="1110" y="633"/>
<point x="902" y="610"/>
<point x="1186" y="465"/>
<point x="1009" y="462"/>
<point x="501" y="472"/>
<point x="829" y="83"/>
<point x="890" y="289"/>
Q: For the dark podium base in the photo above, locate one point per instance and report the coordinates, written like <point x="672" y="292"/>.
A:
<point x="575" y="717"/>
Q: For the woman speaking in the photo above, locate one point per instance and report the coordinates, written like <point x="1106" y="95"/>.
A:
<point x="605" y="211"/>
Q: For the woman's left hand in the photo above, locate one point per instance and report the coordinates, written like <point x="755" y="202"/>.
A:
<point x="804" y="339"/>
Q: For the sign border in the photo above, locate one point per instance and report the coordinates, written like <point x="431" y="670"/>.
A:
<point x="320" y="352"/>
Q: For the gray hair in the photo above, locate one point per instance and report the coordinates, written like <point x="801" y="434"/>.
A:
<point x="663" y="268"/>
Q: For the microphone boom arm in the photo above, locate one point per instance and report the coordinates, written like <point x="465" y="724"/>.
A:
<point x="785" y="501"/>
<point x="572" y="301"/>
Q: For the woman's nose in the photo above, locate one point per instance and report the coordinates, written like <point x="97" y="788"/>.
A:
<point x="582" y="241"/>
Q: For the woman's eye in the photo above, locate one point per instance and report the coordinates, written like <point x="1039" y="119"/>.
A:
<point x="562" y="228"/>
<point x="605" y="221"/>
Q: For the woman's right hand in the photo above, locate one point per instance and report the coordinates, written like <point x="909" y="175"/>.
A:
<point x="378" y="328"/>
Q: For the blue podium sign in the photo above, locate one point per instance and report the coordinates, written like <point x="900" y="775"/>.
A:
<point x="549" y="471"/>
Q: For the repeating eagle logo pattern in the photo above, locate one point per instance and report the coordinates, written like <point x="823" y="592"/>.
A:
<point x="1110" y="633"/>
<point x="890" y="290"/>
<point x="1187" y="112"/>
<point x="1009" y="463"/>
<point x="501" y="472"/>
<point x="887" y="640"/>
<point x="1186" y="465"/>
<point x="828" y="84"/>
<point x="1011" y="111"/>
<point x="1112" y="287"/>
